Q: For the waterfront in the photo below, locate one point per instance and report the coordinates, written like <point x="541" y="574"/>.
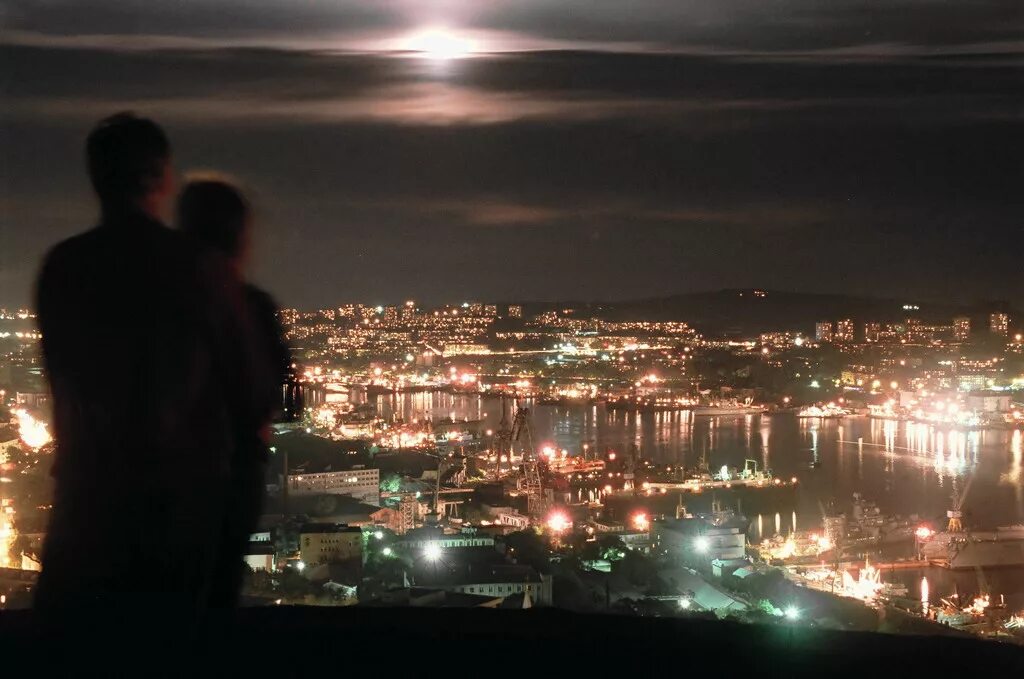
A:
<point x="905" y="468"/>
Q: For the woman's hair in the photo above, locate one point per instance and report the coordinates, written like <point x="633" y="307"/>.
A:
<point x="214" y="212"/>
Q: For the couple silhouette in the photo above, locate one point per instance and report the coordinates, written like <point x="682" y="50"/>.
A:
<point x="166" y="368"/>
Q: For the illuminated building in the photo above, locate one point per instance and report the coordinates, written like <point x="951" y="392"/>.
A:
<point x="989" y="402"/>
<point x="322" y="543"/>
<point x="972" y="382"/>
<point x="515" y="311"/>
<point x="418" y="539"/>
<point x="466" y="349"/>
<point x="720" y="536"/>
<point x="362" y="484"/>
<point x="961" y="328"/>
<point x="499" y="580"/>
<point x="999" y="324"/>
<point x="872" y="331"/>
<point x="823" y="331"/>
<point x="844" y="331"/>
<point x="259" y="554"/>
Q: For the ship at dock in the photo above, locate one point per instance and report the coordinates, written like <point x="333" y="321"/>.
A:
<point x="958" y="548"/>
<point x="749" y="476"/>
<point x="1001" y="547"/>
<point x="727" y="407"/>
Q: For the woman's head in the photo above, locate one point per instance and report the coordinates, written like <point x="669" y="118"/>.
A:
<point x="214" y="212"/>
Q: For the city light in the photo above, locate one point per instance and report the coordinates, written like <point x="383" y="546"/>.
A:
<point x="641" y="522"/>
<point x="792" y="612"/>
<point x="387" y="551"/>
<point x="702" y="544"/>
<point x="379" y="534"/>
<point x="432" y="552"/>
<point x="923" y="533"/>
<point x="33" y="432"/>
<point x="300" y="566"/>
<point x="685" y="603"/>
<point x="558" y="521"/>
<point x="7" y="537"/>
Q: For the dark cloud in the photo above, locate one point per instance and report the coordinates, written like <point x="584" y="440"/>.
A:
<point x="756" y="25"/>
<point x="196" y="18"/>
<point x="558" y="174"/>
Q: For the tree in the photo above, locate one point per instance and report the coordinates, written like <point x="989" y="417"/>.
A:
<point x="392" y="483"/>
<point x="637" y="568"/>
<point x="528" y="547"/>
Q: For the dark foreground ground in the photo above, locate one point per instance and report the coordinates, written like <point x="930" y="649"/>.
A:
<point x="369" y="642"/>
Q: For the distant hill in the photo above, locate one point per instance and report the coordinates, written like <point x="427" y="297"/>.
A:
<point x="746" y="311"/>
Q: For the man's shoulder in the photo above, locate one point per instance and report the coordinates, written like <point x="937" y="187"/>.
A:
<point x="69" y="250"/>
<point x="109" y="239"/>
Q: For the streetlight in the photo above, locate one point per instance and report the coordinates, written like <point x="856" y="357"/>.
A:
<point x="792" y="612"/>
<point x="558" y="521"/>
<point x="432" y="552"/>
<point x="702" y="544"/>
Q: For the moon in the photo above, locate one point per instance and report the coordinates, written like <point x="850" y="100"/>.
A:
<point x="440" y="43"/>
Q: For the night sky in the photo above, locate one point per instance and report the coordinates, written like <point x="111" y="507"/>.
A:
<point x="583" y="149"/>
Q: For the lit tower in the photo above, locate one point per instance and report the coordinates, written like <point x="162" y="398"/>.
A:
<point x="823" y="331"/>
<point x="999" y="324"/>
<point x="961" y="328"/>
<point x="844" y="331"/>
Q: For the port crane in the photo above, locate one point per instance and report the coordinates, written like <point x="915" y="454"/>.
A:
<point x="955" y="515"/>
<point x="506" y="438"/>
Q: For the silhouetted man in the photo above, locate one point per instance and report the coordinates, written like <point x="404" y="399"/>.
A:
<point x="145" y="354"/>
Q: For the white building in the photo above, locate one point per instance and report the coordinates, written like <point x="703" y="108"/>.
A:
<point x="988" y="402"/>
<point x="418" y="539"/>
<point x="719" y="536"/>
<point x="362" y="484"/>
<point x="322" y="543"/>
<point x="506" y="581"/>
<point x="514" y="519"/>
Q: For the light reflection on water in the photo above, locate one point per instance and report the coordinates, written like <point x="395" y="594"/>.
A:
<point x="906" y="468"/>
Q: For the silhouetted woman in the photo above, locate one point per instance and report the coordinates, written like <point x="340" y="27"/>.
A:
<point x="215" y="213"/>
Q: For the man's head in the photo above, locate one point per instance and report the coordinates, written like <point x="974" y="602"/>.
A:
<point x="213" y="211"/>
<point x="129" y="161"/>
